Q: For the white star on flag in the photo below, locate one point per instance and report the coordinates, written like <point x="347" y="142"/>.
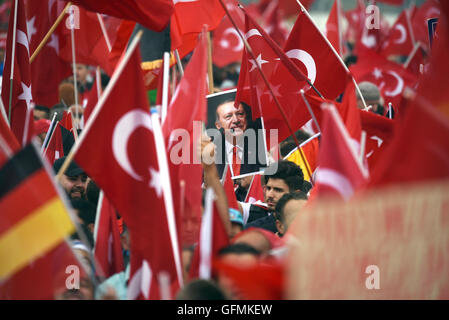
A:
<point x="258" y="61"/>
<point x="156" y="182"/>
<point x="275" y="91"/>
<point x="26" y="94"/>
<point x="30" y="28"/>
<point x="54" y="43"/>
<point x="377" y="73"/>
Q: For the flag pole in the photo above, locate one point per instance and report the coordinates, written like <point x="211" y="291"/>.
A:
<point x="167" y="192"/>
<point x="411" y="55"/>
<point x="362" y="147"/>
<point x="210" y="72"/>
<point x="340" y="38"/>
<point x="3" y="112"/>
<point x="49" y="132"/>
<point x="27" y="124"/>
<point x="278" y="105"/>
<point x="178" y="62"/>
<point x="118" y="71"/>
<point x="312" y="114"/>
<point x="390" y="107"/>
<point x="13" y="53"/>
<point x="165" y="79"/>
<point x="5" y="148"/>
<point x="72" y="38"/>
<point x="105" y="33"/>
<point x="50" y="32"/>
<point x="409" y="25"/>
<point x="335" y="52"/>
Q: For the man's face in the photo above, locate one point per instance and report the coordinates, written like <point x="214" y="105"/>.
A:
<point x="231" y="119"/>
<point x="39" y="114"/>
<point x="290" y="211"/>
<point x="273" y="191"/>
<point x="75" y="186"/>
<point x="81" y="73"/>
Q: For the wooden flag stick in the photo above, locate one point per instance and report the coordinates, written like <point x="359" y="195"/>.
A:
<point x="312" y="114"/>
<point x="165" y="80"/>
<point x="179" y="63"/>
<point x="118" y="71"/>
<point x="50" y="32"/>
<point x="105" y="33"/>
<point x="11" y="76"/>
<point x="362" y="147"/>
<point x="270" y="89"/>
<point x="210" y="72"/>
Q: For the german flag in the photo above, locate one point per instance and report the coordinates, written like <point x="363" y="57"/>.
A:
<point x="309" y="150"/>
<point x="33" y="219"/>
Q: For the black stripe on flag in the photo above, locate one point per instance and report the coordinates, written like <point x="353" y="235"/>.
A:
<point x="19" y="168"/>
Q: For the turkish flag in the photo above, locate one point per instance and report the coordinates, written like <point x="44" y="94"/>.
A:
<point x="186" y="112"/>
<point x="213" y="237"/>
<point x="10" y="139"/>
<point x="228" y="185"/>
<point x="400" y="41"/>
<point x="315" y="58"/>
<point x="379" y="132"/>
<point x="92" y="99"/>
<point x="128" y="171"/>
<point x="190" y="16"/>
<point x="284" y="76"/>
<point x="390" y="77"/>
<point x="90" y="43"/>
<point x="227" y="46"/>
<point x="255" y="191"/>
<point x="47" y="69"/>
<point x="333" y="28"/>
<point x="153" y="15"/>
<point x="274" y="23"/>
<point x="420" y="148"/>
<point x="17" y="68"/>
<point x="339" y="171"/>
<point x="108" y="248"/>
<point x="428" y="10"/>
<point x="415" y="60"/>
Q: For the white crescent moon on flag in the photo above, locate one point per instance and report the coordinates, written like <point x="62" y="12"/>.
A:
<point x="237" y="48"/>
<point x="399" y="86"/>
<point x="403" y="36"/>
<point x="252" y="32"/>
<point x="306" y="59"/>
<point x="127" y="124"/>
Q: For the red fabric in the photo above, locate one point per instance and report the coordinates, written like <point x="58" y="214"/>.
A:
<point x="227" y="46"/>
<point x="236" y="161"/>
<point x="108" y="248"/>
<point x="420" y="148"/>
<point x="416" y="61"/>
<point x="273" y="23"/>
<point x="55" y="148"/>
<point x="333" y="31"/>
<point x="152" y="14"/>
<point x="219" y="239"/>
<point x="41" y="126"/>
<point x="429" y="9"/>
<point x="186" y="110"/>
<point x="90" y="43"/>
<point x="399" y="41"/>
<point x="340" y="173"/>
<point x="255" y="192"/>
<point x="48" y="69"/>
<point x="230" y="193"/>
<point x="21" y="86"/>
<point x="390" y="77"/>
<point x="10" y="139"/>
<point x="127" y="170"/>
<point x="330" y="78"/>
<point x="190" y="16"/>
<point x="284" y="76"/>
<point x="92" y="100"/>
<point x="379" y="132"/>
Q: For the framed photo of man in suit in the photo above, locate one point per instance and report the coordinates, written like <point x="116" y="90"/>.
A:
<point x="239" y="139"/>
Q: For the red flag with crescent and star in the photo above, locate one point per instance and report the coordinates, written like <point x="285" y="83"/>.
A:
<point x="121" y="136"/>
<point x="399" y="41"/>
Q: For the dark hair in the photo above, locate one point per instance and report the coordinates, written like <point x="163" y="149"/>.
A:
<point x="239" y="248"/>
<point x="290" y="173"/>
<point x="86" y="210"/>
<point x="200" y="289"/>
<point x="298" y="195"/>
<point x="287" y="145"/>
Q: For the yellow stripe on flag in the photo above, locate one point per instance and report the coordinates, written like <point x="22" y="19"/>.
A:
<point x="295" y="157"/>
<point x="39" y="232"/>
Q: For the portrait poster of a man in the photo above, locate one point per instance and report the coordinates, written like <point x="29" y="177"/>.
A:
<point x="239" y="138"/>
